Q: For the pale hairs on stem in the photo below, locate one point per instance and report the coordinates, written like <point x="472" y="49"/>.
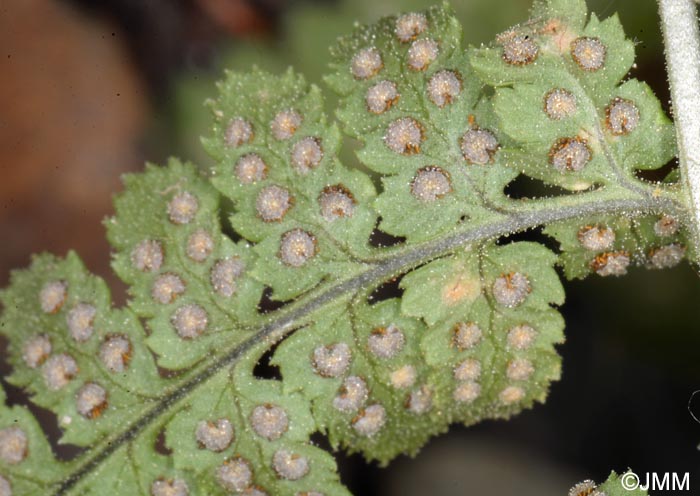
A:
<point x="679" y="23"/>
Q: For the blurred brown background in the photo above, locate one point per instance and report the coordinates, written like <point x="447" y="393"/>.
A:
<point x="80" y="86"/>
<point x="90" y="90"/>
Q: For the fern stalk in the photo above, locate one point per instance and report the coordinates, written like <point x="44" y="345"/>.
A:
<point x="679" y="23"/>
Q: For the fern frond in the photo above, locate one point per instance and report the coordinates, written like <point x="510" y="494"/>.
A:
<point x="470" y="330"/>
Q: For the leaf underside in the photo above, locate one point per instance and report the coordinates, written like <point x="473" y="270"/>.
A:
<point x="468" y="331"/>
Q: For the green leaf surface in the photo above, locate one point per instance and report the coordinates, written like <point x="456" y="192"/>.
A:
<point x="192" y="289"/>
<point x="275" y="261"/>
<point x="414" y="134"/>
<point x="575" y="124"/>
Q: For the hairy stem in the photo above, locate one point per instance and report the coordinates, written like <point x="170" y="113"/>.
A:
<point x="679" y="23"/>
<point x="303" y="311"/>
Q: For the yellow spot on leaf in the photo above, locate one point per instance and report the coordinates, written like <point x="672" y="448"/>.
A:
<point x="463" y="288"/>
